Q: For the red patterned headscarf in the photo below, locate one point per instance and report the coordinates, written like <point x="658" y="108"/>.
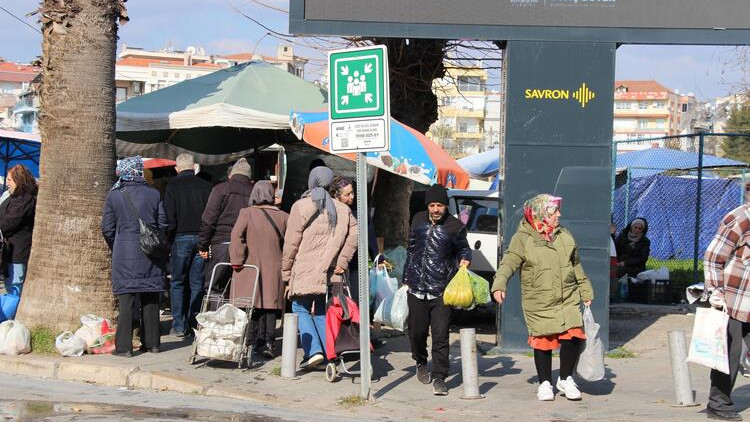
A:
<point x="538" y="211"/>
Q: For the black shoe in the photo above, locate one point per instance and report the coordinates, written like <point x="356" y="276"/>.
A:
<point x="423" y="375"/>
<point x="267" y="351"/>
<point x="125" y="354"/>
<point x="722" y="415"/>
<point x="144" y="349"/>
<point x="439" y="388"/>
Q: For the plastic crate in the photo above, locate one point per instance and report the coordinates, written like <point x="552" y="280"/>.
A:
<point x="653" y="292"/>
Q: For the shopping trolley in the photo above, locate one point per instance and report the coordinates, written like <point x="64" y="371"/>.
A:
<point x="213" y="300"/>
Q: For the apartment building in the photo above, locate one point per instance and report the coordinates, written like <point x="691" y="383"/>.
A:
<point x="462" y="100"/>
<point x="15" y="81"/>
<point x="645" y="109"/>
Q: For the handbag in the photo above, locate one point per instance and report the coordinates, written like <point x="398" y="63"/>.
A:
<point x="154" y="242"/>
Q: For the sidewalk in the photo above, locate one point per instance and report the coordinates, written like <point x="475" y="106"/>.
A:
<point x="635" y="389"/>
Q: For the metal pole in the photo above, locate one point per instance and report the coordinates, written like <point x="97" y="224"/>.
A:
<point x="289" y="347"/>
<point x="742" y="188"/>
<point x="469" y="371"/>
<point x="683" y="389"/>
<point x="698" y="201"/>
<point x="364" y="283"/>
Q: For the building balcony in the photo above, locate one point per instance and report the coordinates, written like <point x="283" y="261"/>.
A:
<point x="468" y="135"/>
<point x="649" y="112"/>
<point x="446" y="111"/>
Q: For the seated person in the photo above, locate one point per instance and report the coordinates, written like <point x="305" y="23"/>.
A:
<point x="633" y="248"/>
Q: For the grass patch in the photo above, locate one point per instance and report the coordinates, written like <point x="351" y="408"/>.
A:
<point x="351" y="401"/>
<point x="276" y="371"/>
<point x="620" y="353"/>
<point x="43" y="341"/>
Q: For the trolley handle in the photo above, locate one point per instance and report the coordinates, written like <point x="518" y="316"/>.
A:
<point x="226" y="264"/>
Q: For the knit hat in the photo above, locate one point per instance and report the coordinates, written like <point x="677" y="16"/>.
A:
<point x="241" y="167"/>
<point x="436" y="193"/>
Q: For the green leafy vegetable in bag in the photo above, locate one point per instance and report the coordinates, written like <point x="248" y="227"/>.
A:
<point x="480" y="289"/>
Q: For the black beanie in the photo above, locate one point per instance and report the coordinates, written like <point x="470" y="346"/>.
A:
<point x="436" y="193"/>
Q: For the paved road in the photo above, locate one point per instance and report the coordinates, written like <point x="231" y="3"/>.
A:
<point x="33" y="399"/>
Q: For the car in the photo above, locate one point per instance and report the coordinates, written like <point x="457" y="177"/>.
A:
<point x="481" y="212"/>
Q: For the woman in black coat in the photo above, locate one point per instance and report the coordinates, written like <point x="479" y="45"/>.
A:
<point x="134" y="274"/>
<point x="633" y="248"/>
<point x="17" y="223"/>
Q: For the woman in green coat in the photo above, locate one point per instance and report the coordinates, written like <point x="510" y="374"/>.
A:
<point x="553" y="285"/>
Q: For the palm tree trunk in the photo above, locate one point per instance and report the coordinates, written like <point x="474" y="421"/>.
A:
<point x="69" y="268"/>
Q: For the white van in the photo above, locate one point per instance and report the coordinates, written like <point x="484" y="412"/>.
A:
<point x="481" y="212"/>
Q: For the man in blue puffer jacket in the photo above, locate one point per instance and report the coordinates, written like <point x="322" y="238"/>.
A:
<point x="437" y="247"/>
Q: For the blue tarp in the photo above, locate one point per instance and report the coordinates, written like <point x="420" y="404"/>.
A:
<point x="14" y="149"/>
<point x="483" y="164"/>
<point x="652" y="161"/>
<point x="668" y="203"/>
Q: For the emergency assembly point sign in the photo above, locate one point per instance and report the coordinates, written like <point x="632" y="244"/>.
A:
<point x="359" y="102"/>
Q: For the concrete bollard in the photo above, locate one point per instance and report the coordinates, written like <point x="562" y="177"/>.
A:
<point x="469" y="370"/>
<point x="289" y="347"/>
<point x="683" y="388"/>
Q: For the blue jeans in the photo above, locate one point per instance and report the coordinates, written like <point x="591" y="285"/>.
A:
<point x="16" y="277"/>
<point x="312" y="327"/>
<point x="186" y="263"/>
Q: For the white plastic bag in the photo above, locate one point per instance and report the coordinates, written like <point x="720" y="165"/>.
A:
<point x="214" y="347"/>
<point x="91" y="328"/>
<point x="227" y="322"/>
<point x="17" y="340"/>
<point x="4" y="332"/>
<point x="708" y="345"/>
<point x="70" y="345"/>
<point x="382" y="285"/>
<point x="660" y="274"/>
<point x="394" y="310"/>
<point x="591" y="362"/>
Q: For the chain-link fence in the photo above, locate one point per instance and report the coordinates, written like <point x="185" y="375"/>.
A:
<point x="683" y="188"/>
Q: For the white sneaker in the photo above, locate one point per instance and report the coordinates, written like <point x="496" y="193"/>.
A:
<point x="544" y="392"/>
<point x="569" y="388"/>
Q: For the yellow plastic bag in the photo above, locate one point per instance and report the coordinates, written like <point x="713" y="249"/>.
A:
<point x="458" y="293"/>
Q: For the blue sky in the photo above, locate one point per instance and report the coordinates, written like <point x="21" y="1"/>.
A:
<point x="214" y="25"/>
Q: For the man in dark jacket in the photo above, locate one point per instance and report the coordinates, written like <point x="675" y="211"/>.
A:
<point x="223" y="208"/>
<point x="185" y="199"/>
<point x="437" y="246"/>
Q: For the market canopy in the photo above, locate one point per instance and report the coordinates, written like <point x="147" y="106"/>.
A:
<point x="484" y="164"/>
<point x="218" y="117"/>
<point x="411" y="155"/>
<point x="652" y="161"/>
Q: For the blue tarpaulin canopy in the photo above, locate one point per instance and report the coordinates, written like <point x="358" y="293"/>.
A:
<point x="668" y="203"/>
<point x="652" y="161"/>
<point x="483" y="164"/>
<point x="19" y="148"/>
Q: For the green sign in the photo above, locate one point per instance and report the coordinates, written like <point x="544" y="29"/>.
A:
<point x="358" y="87"/>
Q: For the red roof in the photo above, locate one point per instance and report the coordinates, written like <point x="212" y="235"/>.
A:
<point x="239" y="56"/>
<point x="13" y="72"/>
<point x="144" y="62"/>
<point x="642" y="86"/>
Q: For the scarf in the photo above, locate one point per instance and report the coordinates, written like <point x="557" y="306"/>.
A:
<point x="128" y="169"/>
<point x="262" y="193"/>
<point x="537" y="212"/>
<point x="632" y="237"/>
<point x="317" y="183"/>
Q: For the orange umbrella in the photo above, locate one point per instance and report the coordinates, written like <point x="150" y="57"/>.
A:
<point x="152" y="163"/>
<point x="411" y="154"/>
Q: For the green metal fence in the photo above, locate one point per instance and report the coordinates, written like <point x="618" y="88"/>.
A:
<point x="683" y="186"/>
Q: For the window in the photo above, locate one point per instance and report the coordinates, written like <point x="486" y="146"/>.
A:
<point x="176" y="75"/>
<point x="153" y="73"/>
<point x="188" y="76"/>
<point x="121" y="94"/>
<point x="479" y="214"/>
<point x="161" y="84"/>
<point x="685" y="107"/>
<point x="622" y="105"/>
<point x="643" y="105"/>
<point x="165" y="74"/>
<point x="469" y="83"/>
<point x="448" y="101"/>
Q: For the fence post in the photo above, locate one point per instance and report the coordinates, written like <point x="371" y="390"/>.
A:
<point x="698" y="202"/>
<point x="742" y="188"/>
<point x="627" y="196"/>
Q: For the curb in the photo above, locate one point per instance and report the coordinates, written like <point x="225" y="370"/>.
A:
<point x="133" y="377"/>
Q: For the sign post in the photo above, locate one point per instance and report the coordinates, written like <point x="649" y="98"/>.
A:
<point x="359" y="122"/>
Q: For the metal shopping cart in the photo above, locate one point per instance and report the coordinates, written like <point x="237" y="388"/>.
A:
<point x="237" y="297"/>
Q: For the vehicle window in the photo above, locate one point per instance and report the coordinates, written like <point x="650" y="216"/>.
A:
<point x="478" y="214"/>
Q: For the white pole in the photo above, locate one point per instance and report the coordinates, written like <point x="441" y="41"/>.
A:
<point x="683" y="389"/>
<point x="364" y="284"/>
<point x="289" y="347"/>
<point x="469" y="370"/>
